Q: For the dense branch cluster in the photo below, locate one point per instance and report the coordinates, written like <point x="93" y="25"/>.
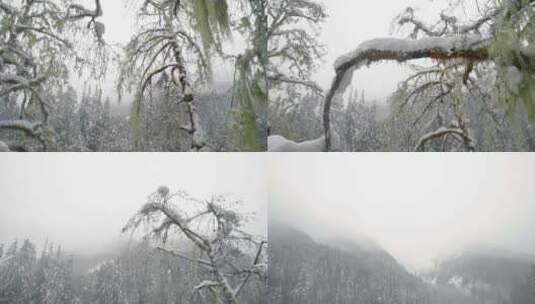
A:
<point x="160" y="49"/>
<point x="34" y="45"/>
<point x="293" y="49"/>
<point x="293" y="52"/>
<point x="214" y="228"/>
<point x="177" y="41"/>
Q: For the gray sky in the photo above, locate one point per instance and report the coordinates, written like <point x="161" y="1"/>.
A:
<point x="419" y="207"/>
<point x="82" y="200"/>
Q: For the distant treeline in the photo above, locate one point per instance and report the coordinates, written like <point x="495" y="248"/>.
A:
<point x="139" y="274"/>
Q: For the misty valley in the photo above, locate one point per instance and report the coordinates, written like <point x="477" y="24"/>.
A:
<point x="344" y="271"/>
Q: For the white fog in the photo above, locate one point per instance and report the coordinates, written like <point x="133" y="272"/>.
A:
<point x="418" y="207"/>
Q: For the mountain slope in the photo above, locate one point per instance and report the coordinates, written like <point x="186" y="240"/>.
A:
<point x="303" y="271"/>
<point x="343" y="271"/>
<point x="488" y="275"/>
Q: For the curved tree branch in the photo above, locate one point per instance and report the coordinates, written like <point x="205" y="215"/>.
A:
<point x="441" y="132"/>
<point x="472" y="48"/>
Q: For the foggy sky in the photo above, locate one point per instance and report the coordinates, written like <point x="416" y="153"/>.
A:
<point x="81" y="201"/>
<point x="419" y="207"/>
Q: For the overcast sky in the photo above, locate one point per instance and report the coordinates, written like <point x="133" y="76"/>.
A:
<point x="418" y="207"/>
<point x="348" y="24"/>
<point x="81" y="201"/>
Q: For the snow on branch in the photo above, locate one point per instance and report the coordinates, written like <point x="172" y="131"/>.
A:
<point x="278" y="143"/>
<point x="470" y="47"/>
<point x="161" y="50"/>
<point x="473" y="48"/>
<point x="206" y="284"/>
<point x="155" y="207"/>
<point x="213" y="226"/>
<point x="439" y="133"/>
<point x="36" y="29"/>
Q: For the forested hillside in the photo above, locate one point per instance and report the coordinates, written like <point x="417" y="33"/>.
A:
<point x="305" y="271"/>
<point x="489" y="275"/>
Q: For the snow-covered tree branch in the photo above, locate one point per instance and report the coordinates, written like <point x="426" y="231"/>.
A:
<point x="214" y="227"/>
<point x="34" y="49"/>
<point x="460" y="50"/>
<point x="472" y="48"/>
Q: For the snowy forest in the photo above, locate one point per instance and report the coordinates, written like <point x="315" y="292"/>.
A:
<point x="64" y="87"/>
<point x="191" y="251"/>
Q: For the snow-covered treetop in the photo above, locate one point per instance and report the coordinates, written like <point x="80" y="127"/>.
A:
<point x="37" y="48"/>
